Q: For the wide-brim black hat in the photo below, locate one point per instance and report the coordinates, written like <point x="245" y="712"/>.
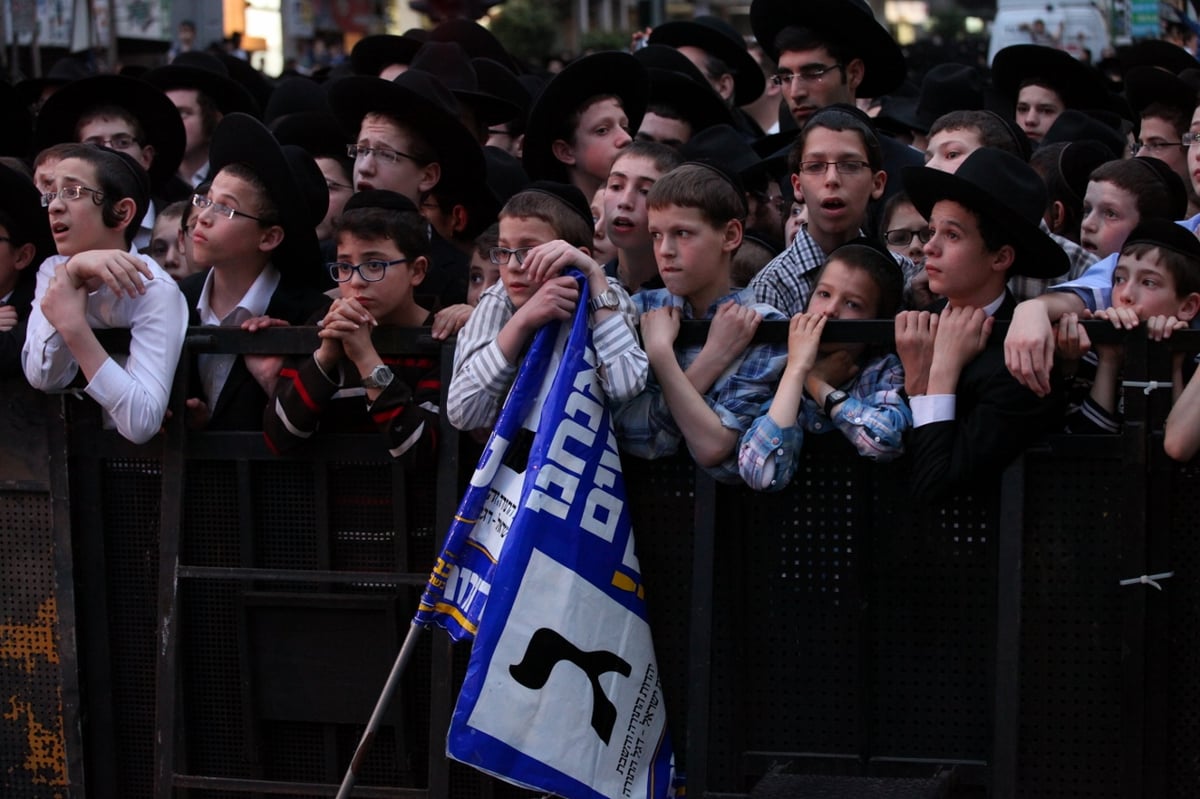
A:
<point x="1147" y="85"/>
<point x="420" y="101"/>
<point x="675" y="82"/>
<point x="849" y="23"/>
<point x="1076" y="162"/>
<point x="1155" y="53"/>
<point x="1003" y="188"/>
<point x="946" y="88"/>
<point x="63" y="71"/>
<point x="723" y="145"/>
<point x="500" y="81"/>
<point x="1079" y="85"/>
<point x="206" y="74"/>
<point x="294" y="95"/>
<point x="373" y="53"/>
<point x="478" y="41"/>
<point x="293" y="181"/>
<point x="607" y="73"/>
<point x="449" y="62"/>
<point x="159" y="118"/>
<point x="317" y="132"/>
<point x="1072" y="125"/>
<point x="16" y="135"/>
<point x="22" y="202"/>
<point x="256" y="83"/>
<point x="716" y="37"/>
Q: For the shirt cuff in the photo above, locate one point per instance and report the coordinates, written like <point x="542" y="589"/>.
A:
<point x="930" y="408"/>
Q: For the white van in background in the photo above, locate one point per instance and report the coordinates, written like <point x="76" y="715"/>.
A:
<point x="1078" y="25"/>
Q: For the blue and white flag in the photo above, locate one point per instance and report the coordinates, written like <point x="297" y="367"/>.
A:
<point x="562" y="692"/>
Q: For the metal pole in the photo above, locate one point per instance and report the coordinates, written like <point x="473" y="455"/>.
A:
<point x="385" y="698"/>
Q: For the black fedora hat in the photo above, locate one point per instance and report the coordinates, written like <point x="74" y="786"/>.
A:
<point x="675" y="82"/>
<point x="1147" y="85"/>
<point x="1002" y="187"/>
<point x="317" y="132"/>
<point x="294" y="95"/>
<point x="156" y="114"/>
<point x="718" y="38"/>
<point x="1076" y="162"/>
<point x="1073" y="125"/>
<point x="723" y="145"/>
<point x="294" y="184"/>
<point x="452" y="66"/>
<point x="850" y="23"/>
<point x="1155" y="53"/>
<point x="256" y="83"/>
<point x="946" y="88"/>
<point x="606" y="73"/>
<point x="63" y="71"/>
<point x="373" y="53"/>
<point x="205" y="73"/>
<point x="497" y="79"/>
<point x="22" y="202"/>
<point x="420" y="101"/>
<point x="16" y="135"/>
<point x="1079" y="85"/>
<point x="478" y="41"/>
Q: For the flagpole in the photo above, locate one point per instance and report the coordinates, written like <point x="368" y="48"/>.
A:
<point x="385" y="698"/>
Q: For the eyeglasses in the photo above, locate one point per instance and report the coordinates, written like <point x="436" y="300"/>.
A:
<point x="333" y="185"/>
<point x="370" y="271"/>
<point x="902" y="237"/>
<point x="122" y="141"/>
<point x="775" y="200"/>
<point x="220" y="209"/>
<point x="381" y="154"/>
<point x="500" y="255"/>
<point x="842" y="167"/>
<point x="1155" y="146"/>
<point x="809" y="73"/>
<point x="1189" y="139"/>
<point x="72" y="193"/>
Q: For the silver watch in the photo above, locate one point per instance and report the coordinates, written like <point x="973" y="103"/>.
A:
<point x="605" y="299"/>
<point x="380" y="377"/>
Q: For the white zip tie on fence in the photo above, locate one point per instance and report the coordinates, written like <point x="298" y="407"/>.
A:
<point x="1148" y="579"/>
<point x="1146" y="386"/>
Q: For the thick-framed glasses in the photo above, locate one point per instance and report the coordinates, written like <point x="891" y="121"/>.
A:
<point x="220" y="209"/>
<point x="383" y="154"/>
<point x="72" y="193"/>
<point x="500" y="255"/>
<point x="122" y="141"/>
<point x="370" y="271"/>
<point x="902" y="237"/>
<point x="1156" y="146"/>
<point x="842" y="167"/>
<point x="1189" y="139"/>
<point x="809" y="73"/>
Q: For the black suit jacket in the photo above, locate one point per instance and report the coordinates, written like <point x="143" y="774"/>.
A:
<point x="996" y="418"/>
<point x="241" y="402"/>
<point x="13" y="340"/>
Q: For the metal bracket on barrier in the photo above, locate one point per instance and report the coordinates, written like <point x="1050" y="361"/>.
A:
<point x="1148" y="579"/>
<point x="1146" y="386"/>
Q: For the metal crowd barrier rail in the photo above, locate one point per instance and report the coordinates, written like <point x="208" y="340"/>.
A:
<point x="221" y="619"/>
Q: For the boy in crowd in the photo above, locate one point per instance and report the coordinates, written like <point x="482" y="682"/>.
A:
<point x="576" y="142"/>
<point x="1157" y="283"/>
<point x="633" y="174"/>
<point x="24" y="241"/>
<point x="970" y="418"/>
<point x="836" y="164"/>
<point x="254" y="231"/>
<point x="703" y="396"/>
<point x="834" y="386"/>
<point x="166" y="241"/>
<point x="544" y="230"/>
<point x="484" y="274"/>
<point x="95" y="202"/>
<point x="1120" y="195"/>
<point x="346" y="385"/>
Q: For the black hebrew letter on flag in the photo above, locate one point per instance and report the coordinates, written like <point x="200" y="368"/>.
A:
<point x="547" y="649"/>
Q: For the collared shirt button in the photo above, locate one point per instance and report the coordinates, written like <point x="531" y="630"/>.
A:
<point x="858" y="420"/>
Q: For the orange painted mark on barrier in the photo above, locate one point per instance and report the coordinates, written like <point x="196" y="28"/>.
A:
<point x="28" y="643"/>
<point x="46" y="760"/>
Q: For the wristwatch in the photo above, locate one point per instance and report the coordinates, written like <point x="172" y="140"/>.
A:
<point x="380" y="377"/>
<point x="605" y="299"/>
<point x="833" y="398"/>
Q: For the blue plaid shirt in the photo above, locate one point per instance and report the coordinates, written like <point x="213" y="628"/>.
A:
<point x="644" y="424"/>
<point x="873" y="418"/>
